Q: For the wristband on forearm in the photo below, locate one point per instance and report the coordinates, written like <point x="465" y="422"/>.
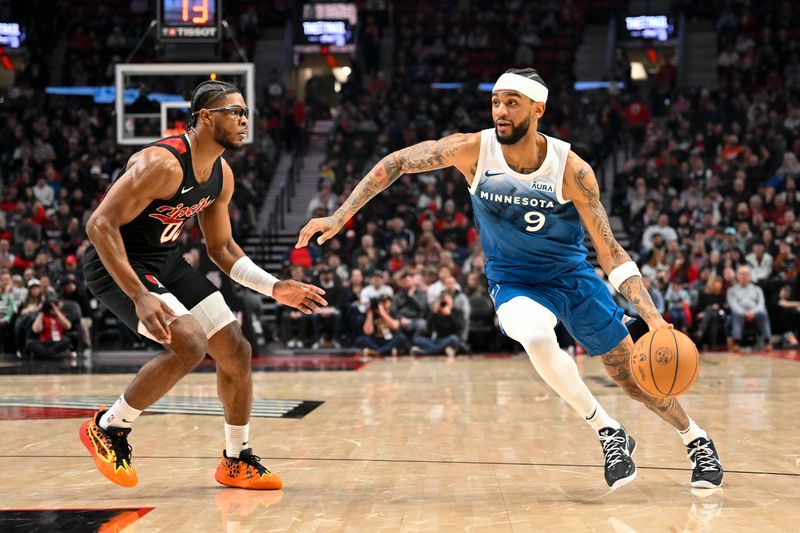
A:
<point x="247" y="273"/>
<point x="624" y="271"/>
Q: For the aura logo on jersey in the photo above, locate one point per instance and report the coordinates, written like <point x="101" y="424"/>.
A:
<point x="537" y="186"/>
<point x="175" y="217"/>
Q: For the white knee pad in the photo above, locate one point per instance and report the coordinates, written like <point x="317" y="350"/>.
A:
<point x="529" y="323"/>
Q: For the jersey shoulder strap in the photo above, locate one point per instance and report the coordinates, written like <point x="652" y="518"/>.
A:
<point x="177" y="145"/>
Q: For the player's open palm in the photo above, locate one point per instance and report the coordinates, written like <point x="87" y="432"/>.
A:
<point x="303" y="297"/>
<point x="326" y="225"/>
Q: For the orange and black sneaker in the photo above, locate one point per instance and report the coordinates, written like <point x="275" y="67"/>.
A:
<point x="246" y="472"/>
<point x="110" y="450"/>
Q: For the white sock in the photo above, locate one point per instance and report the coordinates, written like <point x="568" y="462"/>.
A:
<point x="121" y="415"/>
<point x="692" y="432"/>
<point x="236" y="438"/>
<point x="600" y="419"/>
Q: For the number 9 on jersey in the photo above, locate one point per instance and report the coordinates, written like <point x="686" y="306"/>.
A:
<point x="535" y="219"/>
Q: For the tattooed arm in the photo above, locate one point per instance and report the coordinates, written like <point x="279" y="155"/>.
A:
<point x="580" y="186"/>
<point x="459" y="150"/>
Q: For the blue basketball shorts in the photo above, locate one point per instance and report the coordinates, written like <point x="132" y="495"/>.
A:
<point x="577" y="298"/>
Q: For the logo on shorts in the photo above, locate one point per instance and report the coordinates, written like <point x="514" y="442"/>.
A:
<point x="664" y="356"/>
<point x="152" y="279"/>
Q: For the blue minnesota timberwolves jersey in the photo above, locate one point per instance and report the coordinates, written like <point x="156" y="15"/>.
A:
<point x="529" y="233"/>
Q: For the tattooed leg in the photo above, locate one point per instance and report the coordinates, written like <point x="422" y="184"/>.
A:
<point x="618" y="367"/>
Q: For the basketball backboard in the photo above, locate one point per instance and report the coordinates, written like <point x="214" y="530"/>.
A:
<point x="152" y="99"/>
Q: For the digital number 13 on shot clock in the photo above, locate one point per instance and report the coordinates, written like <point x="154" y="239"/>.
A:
<point x="188" y="9"/>
<point x="189" y="20"/>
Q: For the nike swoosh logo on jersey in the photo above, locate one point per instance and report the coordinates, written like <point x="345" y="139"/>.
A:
<point x="187" y="189"/>
<point x="489" y="175"/>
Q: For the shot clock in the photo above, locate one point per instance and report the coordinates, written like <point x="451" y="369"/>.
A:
<point x="189" y="20"/>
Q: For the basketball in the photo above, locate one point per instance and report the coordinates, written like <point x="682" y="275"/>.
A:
<point x="665" y="363"/>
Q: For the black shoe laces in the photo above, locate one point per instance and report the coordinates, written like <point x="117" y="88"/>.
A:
<point x="119" y="443"/>
<point x="255" y="462"/>
<point x="614" y="447"/>
<point x="702" y="456"/>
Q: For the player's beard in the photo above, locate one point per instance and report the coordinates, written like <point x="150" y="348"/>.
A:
<point x="517" y="132"/>
<point x="229" y="141"/>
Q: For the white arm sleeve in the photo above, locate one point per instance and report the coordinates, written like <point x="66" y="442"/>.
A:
<point x="247" y="273"/>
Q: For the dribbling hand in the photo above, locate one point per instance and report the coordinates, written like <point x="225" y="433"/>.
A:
<point x="303" y="297"/>
<point x="658" y="323"/>
<point x="326" y="225"/>
<point x="155" y="315"/>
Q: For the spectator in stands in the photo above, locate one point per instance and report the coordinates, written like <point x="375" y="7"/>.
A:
<point x="7" y="310"/>
<point x="784" y="316"/>
<point x="461" y="302"/>
<point x="482" y="328"/>
<point x="678" y="305"/>
<point x="446" y="326"/>
<point x="72" y="291"/>
<point x="760" y="263"/>
<point x="323" y="200"/>
<point x="410" y="305"/>
<point x="354" y="316"/>
<point x="662" y="228"/>
<point x="746" y="302"/>
<point x="381" y="332"/>
<point x="397" y="257"/>
<point x="786" y="264"/>
<point x="49" y="326"/>
<point x="331" y="316"/>
<point x="377" y="289"/>
<point x="790" y="167"/>
<point x="395" y="229"/>
<point x="711" y="313"/>
<point x="339" y="269"/>
<point x="295" y="326"/>
<point x="655" y="264"/>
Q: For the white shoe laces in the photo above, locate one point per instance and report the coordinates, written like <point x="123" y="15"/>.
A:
<point x="702" y="456"/>
<point x="613" y="448"/>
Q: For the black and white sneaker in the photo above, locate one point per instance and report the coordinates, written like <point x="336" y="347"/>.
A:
<point x="618" y="447"/>
<point x="706" y="468"/>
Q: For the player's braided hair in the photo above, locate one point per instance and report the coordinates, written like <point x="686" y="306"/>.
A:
<point x="206" y="93"/>
<point x="529" y="73"/>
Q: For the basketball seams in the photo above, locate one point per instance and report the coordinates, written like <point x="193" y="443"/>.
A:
<point x="677" y="362"/>
<point x="650" y="362"/>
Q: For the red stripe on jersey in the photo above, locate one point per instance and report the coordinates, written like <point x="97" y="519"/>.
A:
<point x="174" y="142"/>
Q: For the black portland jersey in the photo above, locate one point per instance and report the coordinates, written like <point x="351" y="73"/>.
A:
<point x="159" y="225"/>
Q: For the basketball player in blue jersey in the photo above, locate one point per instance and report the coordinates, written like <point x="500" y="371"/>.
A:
<point x="532" y="198"/>
<point x="136" y="269"/>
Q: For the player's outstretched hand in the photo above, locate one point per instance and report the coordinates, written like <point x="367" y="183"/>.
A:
<point x="306" y="298"/>
<point x="155" y="315"/>
<point x="326" y="225"/>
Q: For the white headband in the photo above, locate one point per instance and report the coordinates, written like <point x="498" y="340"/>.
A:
<point x="514" y="82"/>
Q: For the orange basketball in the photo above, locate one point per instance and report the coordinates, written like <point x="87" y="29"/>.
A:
<point x="665" y="363"/>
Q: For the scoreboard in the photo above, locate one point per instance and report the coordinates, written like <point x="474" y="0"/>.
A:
<point x="189" y="20"/>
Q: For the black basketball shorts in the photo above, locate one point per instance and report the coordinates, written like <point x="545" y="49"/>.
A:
<point x="170" y="278"/>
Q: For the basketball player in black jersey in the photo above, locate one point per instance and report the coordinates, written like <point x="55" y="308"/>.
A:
<point x="137" y="271"/>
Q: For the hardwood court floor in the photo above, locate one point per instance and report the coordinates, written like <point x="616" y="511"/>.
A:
<point x="477" y="444"/>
